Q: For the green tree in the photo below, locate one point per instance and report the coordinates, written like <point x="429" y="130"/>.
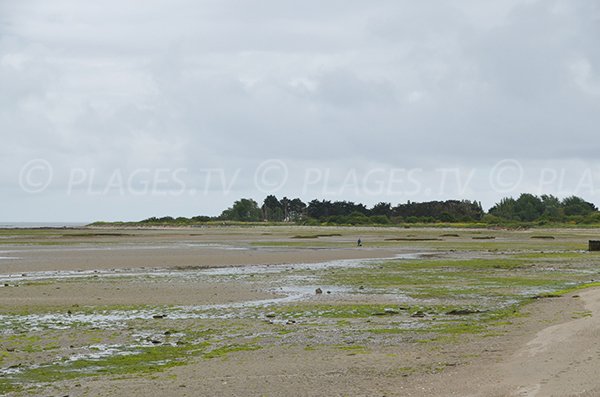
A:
<point x="553" y="210"/>
<point x="285" y="206"/>
<point x="243" y="210"/>
<point x="529" y="207"/>
<point x="505" y="209"/>
<point x="577" y="206"/>
<point x="272" y="209"/>
<point x="382" y="208"/>
<point x="296" y="210"/>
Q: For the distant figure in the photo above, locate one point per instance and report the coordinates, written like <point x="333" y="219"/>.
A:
<point x="359" y="243"/>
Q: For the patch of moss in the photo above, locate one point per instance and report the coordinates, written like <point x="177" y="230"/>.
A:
<point x="338" y="311"/>
<point x="554" y="255"/>
<point x="143" y="360"/>
<point x="6" y="387"/>
<point x="582" y="314"/>
<point x="353" y="349"/>
<point x="388" y="331"/>
<point x="568" y="290"/>
<point x="225" y="350"/>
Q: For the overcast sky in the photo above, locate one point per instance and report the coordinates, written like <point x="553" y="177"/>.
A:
<point x="122" y="110"/>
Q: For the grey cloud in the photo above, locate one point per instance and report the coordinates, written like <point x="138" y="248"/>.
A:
<point x="120" y="85"/>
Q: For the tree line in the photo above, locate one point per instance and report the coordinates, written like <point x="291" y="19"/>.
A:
<point x="527" y="208"/>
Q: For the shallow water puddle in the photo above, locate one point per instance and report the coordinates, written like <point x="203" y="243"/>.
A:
<point x="220" y="271"/>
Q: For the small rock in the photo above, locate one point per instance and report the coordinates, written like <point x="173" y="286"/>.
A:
<point x="318" y="291"/>
<point x="361" y="287"/>
<point x="270" y="315"/>
<point x="329" y="292"/>
<point x="155" y="342"/>
<point x="167" y="333"/>
<point x="159" y="316"/>
<point x="418" y="314"/>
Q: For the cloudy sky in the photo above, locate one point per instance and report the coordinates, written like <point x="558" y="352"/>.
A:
<point x="122" y="110"/>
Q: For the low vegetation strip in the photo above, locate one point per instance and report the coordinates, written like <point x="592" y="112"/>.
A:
<point x="526" y="210"/>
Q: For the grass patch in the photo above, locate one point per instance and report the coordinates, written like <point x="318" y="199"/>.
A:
<point x="454" y="278"/>
<point x="225" y="350"/>
<point x="144" y="360"/>
<point x="568" y="290"/>
<point x="352" y="349"/>
<point x="388" y="331"/>
<point x="413" y="239"/>
<point x="344" y="312"/>
<point x="553" y="255"/>
<point x="311" y="236"/>
<point x="582" y="314"/>
<point x="6" y="386"/>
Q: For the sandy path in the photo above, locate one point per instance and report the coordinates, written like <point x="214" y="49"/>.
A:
<point x="535" y="359"/>
<point x="561" y="360"/>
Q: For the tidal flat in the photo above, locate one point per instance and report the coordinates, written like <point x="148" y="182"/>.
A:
<point x="200" y="311"/>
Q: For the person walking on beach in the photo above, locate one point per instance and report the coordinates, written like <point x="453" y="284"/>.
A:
<point x="359" y="243"/>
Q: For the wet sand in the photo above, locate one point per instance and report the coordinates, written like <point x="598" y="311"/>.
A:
<point x="165" y="256"/>
<point x="88" y="293"/>
<point x="552" y="351"/>
<point x="98" y="249"/>
<point x="533" y="359"/>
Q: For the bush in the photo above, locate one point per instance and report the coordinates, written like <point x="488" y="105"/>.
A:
<point x="379" y="219"/>
<point x="447" y="217"/>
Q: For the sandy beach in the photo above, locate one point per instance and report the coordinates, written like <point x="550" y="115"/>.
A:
<point x="533" y="359"/>
<point x="236" y="313"/>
